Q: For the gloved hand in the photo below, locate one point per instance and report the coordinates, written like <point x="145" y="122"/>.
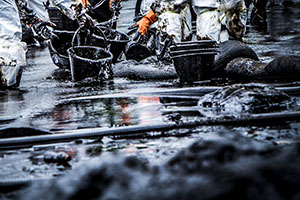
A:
<point x="146" y="21"/>
<point x="41" y="28"/>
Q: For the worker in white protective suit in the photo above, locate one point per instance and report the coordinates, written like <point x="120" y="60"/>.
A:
<point x="176" y="20"/>
<point x="12" y="50"/>
<point x="216" y="19"/>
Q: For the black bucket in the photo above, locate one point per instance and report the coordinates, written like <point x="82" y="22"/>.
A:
<point x="141" y="47"/>
<point x="116" y="40"/>
<point x="58" y="48"/>
<point x="104" y="37"/>
<point x="193" y="61"/>
<point x="61" y="21"/>
<point x="138" y="52"/>
<point x="88" y="61"/>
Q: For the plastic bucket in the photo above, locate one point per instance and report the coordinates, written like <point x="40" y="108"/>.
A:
<point x="116" y="41"/>
<point x="141" y="47"/>
<point x="193" y="61"/>
<point x="87" y="61"/>
<point x="194" y="67"/>
<point x="138" y="52"/>
<point x="103" y="37"/>
<point x="58" y="48"/>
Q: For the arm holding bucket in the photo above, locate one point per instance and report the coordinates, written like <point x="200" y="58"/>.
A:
<point x="146" y="21"/>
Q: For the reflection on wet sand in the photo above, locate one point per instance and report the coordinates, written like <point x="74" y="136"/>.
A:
<point x="108" y="112"/>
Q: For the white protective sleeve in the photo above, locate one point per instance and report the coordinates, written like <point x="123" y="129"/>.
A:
<point x="10" y="25"/>
<point x="38" y="7"/>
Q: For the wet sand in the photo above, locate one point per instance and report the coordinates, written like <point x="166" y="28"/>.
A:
<point x="61" y="105"/>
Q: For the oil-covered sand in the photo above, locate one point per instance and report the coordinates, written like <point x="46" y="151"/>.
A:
<point x="204" y="162"/>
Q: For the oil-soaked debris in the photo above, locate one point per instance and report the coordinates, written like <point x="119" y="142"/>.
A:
<point x="94" y="150"/>
<point x="149" y="60"/>
<point x="206" y="155"/>
<point x="245" y="68"/>
<point x="279" y="133"/>
<point x="175" y="117"/>
<point x="244" y="99"/>
<point x="21" y="132"/>
<point x="57" y="157"/>
<point x="280" y="68"/>
<point x="224" y="166"/>
<point x="230" y="50"/>
<point x="284" y="67"/>
<point x="146" y="70"/>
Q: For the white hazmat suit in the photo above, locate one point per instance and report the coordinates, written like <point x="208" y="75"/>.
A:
<point x="12" y="50"/>
<point x="216" y="19"/>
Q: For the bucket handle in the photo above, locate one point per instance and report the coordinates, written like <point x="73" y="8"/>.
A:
<point x="103" y="35"/>
<point x="98" y="4"/>
<point x="92" y="30"/>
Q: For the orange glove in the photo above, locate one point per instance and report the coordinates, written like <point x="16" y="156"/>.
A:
<point x="146" y="21"/>
<point x="85" y="3"/>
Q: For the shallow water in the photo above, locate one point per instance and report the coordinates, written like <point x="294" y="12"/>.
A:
<point x="280" y="36"/>
<point x="56" y="105"/>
